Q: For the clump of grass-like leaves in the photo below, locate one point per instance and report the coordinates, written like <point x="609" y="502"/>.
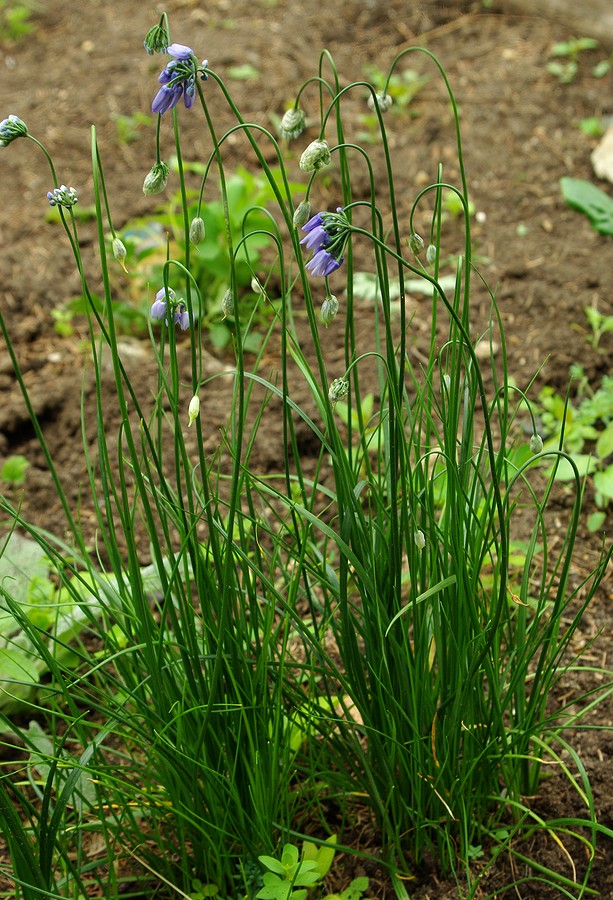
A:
<point x="253" y="647"/>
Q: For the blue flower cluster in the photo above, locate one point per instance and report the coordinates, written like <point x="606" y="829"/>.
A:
<point x="159" y="308"/>
<point x="178" y="79"/>
<point x="326" y="236"/>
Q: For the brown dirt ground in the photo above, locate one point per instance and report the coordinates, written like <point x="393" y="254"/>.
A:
<point x="520" y="137"/>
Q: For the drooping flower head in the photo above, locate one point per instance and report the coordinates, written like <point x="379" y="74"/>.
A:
<point x="11" y="129"/>
<point x="159" y="309"/>
<point x="62" y="196"/>
<point x="178" y="79"/>
<point x="326" y="235"/>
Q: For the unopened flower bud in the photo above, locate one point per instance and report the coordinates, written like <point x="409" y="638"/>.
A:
<point x="315" y="157"/>
<point x="302" y="213"/>
<point x="156" y="40"/>
<point x="416" y="243"/>
<point x="383" y="101"/>
<point x="227" y="305"/>
<point x="62" y="196"/>
<point x="197" y="230"/>
<point x="447" y="381"/>
<point x="11" y="129"/>
<point x="257" y="287"/>
<point x="420" y="539"/>
<point x="156" y="179"/>
<point x="329" y="309"/>
<point x="431" y="254"/>
<point x="293" y="123"/>
<point x="120" y="252"/>
<point x="338" y="389"/>
<point x="536" y="443"/>
<point x="193" y="410"/>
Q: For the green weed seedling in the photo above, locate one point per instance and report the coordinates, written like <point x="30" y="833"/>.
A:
<point x="15" y="19"/>
<point x="291" y="872"/>
<point x="599" y="322"/>
<point x="564" y="58"/>
<point x="14" y="469"/>
<point x="586" y="428"/>
<point x="130" y="128"/>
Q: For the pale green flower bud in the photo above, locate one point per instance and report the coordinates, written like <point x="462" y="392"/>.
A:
<point x="11" y="129"/>
<point x="329" y="309"/>
<point x="120" y="252"/>
<point x="447" y="381"/>
<point x="156" y="39"/>
<point x="536" y="443"/>
<point x="383" y="101"/>
<point x="315" y="157"/>
<point x="193" y="410"/>
<point x="431" y="254"/>
<point x="293" y="123"/>
<point x="416" y="243"/>
<point x="197" y="230"/>
<point x="338" y="389"/>
<point x="302" y="213"/>
<point x="420" y="539"/>
<point x="156" y="180"/>
<point x="227" y="305"/>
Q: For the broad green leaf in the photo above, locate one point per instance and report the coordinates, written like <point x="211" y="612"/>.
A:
<point x="21" y="562"/>
<point x="591" y="201"/>
<point x="604" y="444"/>
<point x="273" y="864"/>
<point x="18" y="675"/>
<point x="603" y="482"/>
<point x="585" y="463"/>
<point x="596" y="520"/>
<point x="322" y="856"/>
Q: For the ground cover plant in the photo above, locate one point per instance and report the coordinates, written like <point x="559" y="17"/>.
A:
<point x="346" y="635"/>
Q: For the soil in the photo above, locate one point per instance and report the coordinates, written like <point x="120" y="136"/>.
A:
<point x="521" y="135"/>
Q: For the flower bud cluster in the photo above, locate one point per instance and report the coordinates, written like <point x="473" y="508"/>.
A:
<point x="381" y="99"/>
<point x="156" y="39"/>
<point x="315" y="157"/>
<point x="227" y="305"/>
<point x="156" y="180"/>
<point x="326" y="236"/>
<point x="62" y="196"/>
<point x="293" y="123"/>
<point x="338" y="389"/>
<point x="536" y="444"/>
<point x="302" y="214"/>
<point x="329" y="309"/>
<point x="197" y="231"/>
<point x="11" y="129"/>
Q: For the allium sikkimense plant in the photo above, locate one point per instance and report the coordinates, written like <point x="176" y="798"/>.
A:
<point x="263" y="647"/>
